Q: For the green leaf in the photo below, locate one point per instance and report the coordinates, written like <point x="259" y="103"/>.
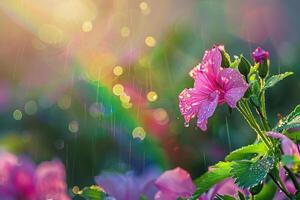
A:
<point x="91" y="193"/>
<point x="270" y="82"/>
<point x="223" y="197"/>
<point x="218" y="172"/>
<point x="295" y="136"/>
<point x="247" y="152"/>
<point x="268" y="191"/>
<point x="290" y="121"/>
<point x="248" y="174"/>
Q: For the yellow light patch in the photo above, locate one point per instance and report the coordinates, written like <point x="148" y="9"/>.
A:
<point x="125" y="31"/>
<point x="87" y="26"/>
<point x="17" y="115"/>
<point x="118" y="70"/>
<point x="150" y="41"/>
<point x="118" y="89"/>
<point x="152" y="96"/>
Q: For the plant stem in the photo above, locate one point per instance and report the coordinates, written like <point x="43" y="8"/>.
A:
<point x="280" y="188"/>
<point x="293" y="178"/>
<point x="247" y="114"/>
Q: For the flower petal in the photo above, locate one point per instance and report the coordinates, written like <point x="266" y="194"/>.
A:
<point x="189" y="101"/>
<point x="51" y="181"/>
<point x="176" y="182"/>
<point x="211" y="63"/>
<point x="206" y="109"/>
<point x="225" y="187"/>
<point x="114" y="184"/>
<point x="233" y="85"/>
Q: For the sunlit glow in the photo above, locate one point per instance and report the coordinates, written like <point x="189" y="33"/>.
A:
<point x="87" y="26"/>
<point x="161" y="116"/>
<point x="152" y="96"/>
<point x="31" y="107"/>
<point x="125" y="31"/>
<point x="139" y="132"/>
<point x="150" y="41"/>
<point x="127" y="105"/>
<point x="73" y="126"/>
<point x="118" y="89"/>
<point x="74" y="11"/>
<point x="75" y="189"/>
<point x="17" y="114"/>
<point x="51" y="34"/>
<point x="145" y="8"/>
<point x="64" y="102"/>
<point x="118" y="70"/>
<point x="124" y="98"/>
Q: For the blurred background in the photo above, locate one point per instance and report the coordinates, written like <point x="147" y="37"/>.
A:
<point x="95" y="83"/>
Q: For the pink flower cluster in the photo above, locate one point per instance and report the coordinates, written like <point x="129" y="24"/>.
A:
<point x="213" y="86"/>
<point x="170" y="185"/>
<point x="21" y="179"/>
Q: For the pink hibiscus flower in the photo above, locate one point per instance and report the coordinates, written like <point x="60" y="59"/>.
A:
<point x="174" y="184"/>
<point x="213" y="86"/>
<point x="225" y="187"/>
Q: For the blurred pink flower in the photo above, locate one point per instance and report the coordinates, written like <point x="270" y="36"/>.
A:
<point x="259" y="55"/>
<point x="173" y="184"/>
<point x="288" y="184"/>
<point x="20" y="179"/>
<point x="51" y="181"/>
<point x="225" y="187"/>
<point x="213" y="85"/>
<point x="128" y="186"/>
<point x="287" y="145"/>
<point x="289" y="148"/>
<point x="7" y="163"/>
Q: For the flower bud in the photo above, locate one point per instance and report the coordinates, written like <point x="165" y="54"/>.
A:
<point x="261" y="57"/>
<point x="256" y="189"/>
<point x="225" y="57"/>
<point x="244" y="66"/>
<point x="263" y="69"/>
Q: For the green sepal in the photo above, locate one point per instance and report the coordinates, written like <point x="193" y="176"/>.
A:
<point x="225" y="59"/>
<point x="263" y="69"/>
<point x="244" y="66"/>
